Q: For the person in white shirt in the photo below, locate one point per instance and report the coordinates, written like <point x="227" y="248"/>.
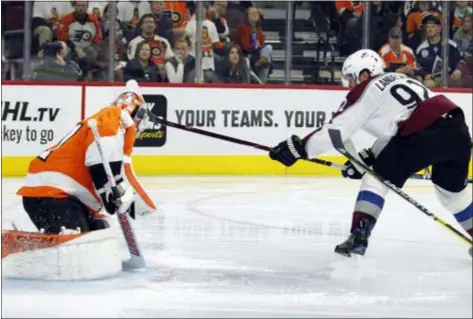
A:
<point x="414" y="129"/>
<point x="181" y="67"/>
<point x="209" y="40"/>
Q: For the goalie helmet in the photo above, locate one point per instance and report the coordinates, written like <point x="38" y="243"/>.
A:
<point x="358" y="62"/>
<point x="134" y="110"/>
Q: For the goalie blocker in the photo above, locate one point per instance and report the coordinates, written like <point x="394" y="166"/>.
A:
<point x="414" y="130"/>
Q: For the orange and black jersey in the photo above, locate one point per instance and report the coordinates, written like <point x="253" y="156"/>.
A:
<point x="64" y="169"/>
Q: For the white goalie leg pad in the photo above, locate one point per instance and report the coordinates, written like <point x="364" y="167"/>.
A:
<point x="92" y="256"/>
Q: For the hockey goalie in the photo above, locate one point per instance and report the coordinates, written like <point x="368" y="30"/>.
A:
<point x="67" y="196"/>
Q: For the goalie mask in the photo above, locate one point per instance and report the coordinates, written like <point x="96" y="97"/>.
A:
<point x="134" y="111"/>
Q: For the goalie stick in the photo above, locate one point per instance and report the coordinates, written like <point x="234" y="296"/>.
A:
<point x="337" y="142"/>
<point x="136" y="260"/>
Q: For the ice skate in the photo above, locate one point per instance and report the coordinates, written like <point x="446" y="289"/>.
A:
<point x="357" y="242"/>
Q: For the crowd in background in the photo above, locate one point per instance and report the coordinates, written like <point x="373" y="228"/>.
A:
<point x="407" y="34"/>
<point x="155" y="40"/>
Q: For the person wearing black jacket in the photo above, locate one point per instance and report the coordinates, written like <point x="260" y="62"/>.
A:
<point x="55" y="66"/>
<point x="234" y="68"/>
<point x="142" y="68"/>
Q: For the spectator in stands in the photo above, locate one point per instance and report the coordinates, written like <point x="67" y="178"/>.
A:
<point x="381" y="21"/>
<point x="181" y="67"/>
<point x="80" y="29"/>
<point x="98" y="63"/>
<point x="349" y="37"/>
<point x="178" y="12"/>
<point x="163" y="26"/>
<point x="462" y="8"/>
<point x="216" y="14"/>
<point x="131" y="11"/>
<point x="235" y="13"/>
<point x="55" y="65"/>
<point x="160" y="48"/>
<point x="234" y="67"/>
<point x="407" y="6"/>
<point x="82" y="33"/>
<point x="46" y="18"/>
<point x="429" y="56"/>
<point x="414" y="22"/>
<point x="250" y="37"/>
<point x="105" y="23"/>
<point x="163" y="23"/>
<point x="142" y="68"/>
<point x="210" y="41"/>
<point x="397" y="56"/>
<point x="464" y="36"/>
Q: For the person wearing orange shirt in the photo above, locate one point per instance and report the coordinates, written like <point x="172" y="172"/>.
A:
<point x="397" y="56"/>
<point x="179" y="13"/>
<point x="66" y="185"/>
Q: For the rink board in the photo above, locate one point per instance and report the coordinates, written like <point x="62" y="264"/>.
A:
<point x="37" y="116"/>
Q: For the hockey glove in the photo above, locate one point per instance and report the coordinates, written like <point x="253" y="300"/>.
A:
<point x="288" y="151"/>
<point x="120" y="203"/>
<point x="351" y="171"/>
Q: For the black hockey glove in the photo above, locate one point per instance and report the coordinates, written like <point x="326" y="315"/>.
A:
<point x="350" y="171"/>
<point x="288" y="151"/>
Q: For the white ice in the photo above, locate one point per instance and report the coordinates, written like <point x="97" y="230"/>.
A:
<point x="263" y="247"/>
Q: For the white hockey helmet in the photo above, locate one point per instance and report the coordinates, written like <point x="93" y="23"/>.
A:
<point x="359" y="61"/>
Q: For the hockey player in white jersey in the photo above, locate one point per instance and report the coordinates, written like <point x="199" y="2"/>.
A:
<point x="414" y="129"/>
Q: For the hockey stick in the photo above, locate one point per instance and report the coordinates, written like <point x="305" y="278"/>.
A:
<point x="136" y="260"/>
<point x="159" y="120"/>
<point x="337" y="142"/>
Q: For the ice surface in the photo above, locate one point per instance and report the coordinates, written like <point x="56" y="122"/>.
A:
<point x="263" y="247"/>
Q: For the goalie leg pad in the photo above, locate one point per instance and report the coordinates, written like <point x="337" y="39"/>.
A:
<point x="88" y="256"/>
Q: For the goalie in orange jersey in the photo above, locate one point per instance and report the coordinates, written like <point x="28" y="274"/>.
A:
<point x="66" y="185"/>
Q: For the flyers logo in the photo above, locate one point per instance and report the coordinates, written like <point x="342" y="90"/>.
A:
<point x="176" y="17"/>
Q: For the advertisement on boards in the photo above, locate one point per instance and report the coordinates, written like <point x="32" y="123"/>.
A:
<point x="258" y="115"/>
<point x="155" y="134"/>
<point x="263" y="116"/>
<point x="36" y="117"/>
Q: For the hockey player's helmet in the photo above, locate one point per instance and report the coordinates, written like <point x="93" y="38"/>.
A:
<point x="359" y="61"/>
<point x="135" y="109"/>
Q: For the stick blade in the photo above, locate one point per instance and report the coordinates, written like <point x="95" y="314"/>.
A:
<point x="337" y="142"/>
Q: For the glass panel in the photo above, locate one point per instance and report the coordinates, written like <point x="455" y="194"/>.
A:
<point x="57" y="49"/>
<point x="299" y="43"/>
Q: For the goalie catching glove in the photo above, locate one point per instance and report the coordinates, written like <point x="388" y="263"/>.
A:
<point x="350" y="171"/>
<point x="289" y="151"/>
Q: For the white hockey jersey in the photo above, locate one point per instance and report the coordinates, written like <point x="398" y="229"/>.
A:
<point x="382" y="107"/>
